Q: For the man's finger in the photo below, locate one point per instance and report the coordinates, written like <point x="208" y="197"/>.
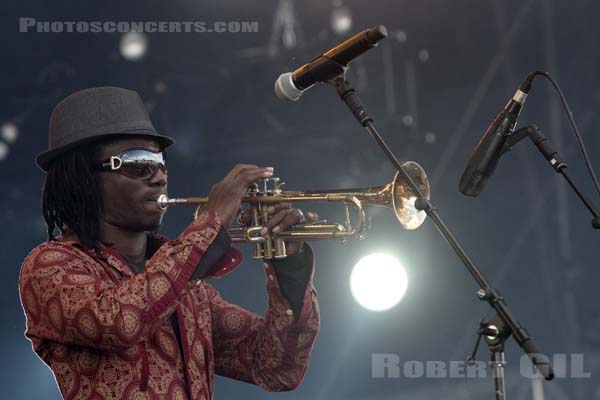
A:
<point x="275" y="208"/>
<point x="275" y="220"/>
<point x="252" y="175"/>
<point x="293" y="217"/>
<point x="311" y="216"/>
<point x="237" y="169"/>
<point x="244" y="218"/>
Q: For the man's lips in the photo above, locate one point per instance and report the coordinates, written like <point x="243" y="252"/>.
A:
<point x="155" y="197"/>
<point x="152" y="203"/>
<point x="153" y="200"/>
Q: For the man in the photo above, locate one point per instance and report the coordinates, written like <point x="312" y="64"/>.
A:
<point x="120" y="312"/>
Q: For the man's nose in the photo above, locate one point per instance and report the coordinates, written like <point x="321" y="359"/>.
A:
<point x="159" y="178"/>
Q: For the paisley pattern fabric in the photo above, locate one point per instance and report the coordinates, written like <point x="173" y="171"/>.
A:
<point x="105" y="332"/>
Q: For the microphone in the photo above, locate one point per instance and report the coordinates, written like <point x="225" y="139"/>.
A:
<point x="493" y="144"/>
<point x="291" y="85"/>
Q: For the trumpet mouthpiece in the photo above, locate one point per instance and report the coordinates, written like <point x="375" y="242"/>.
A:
<point x="163" y="201"/>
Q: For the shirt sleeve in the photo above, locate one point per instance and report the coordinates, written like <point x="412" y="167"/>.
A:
<point x="72" y="298"/>
<point x="293" y="274"/>
<point x="213" y="253"/>
<point x="272" y="351"/>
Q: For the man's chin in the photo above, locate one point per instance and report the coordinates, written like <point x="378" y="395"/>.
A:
<point x="151" y="225"/>
<point x="154" y="228"/>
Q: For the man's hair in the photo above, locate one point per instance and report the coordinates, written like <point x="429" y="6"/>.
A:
<point x="71" y="197"/>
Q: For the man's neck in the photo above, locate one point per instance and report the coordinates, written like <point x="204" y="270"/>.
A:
<point x="130" y="245"/>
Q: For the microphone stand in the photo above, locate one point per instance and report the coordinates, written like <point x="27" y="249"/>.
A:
<point x="505" y="323"/>
<point x="550" y="154"/>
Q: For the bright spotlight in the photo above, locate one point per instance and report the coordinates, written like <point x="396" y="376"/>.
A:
<point x="133" y="45"/>
<point x="341" y="20"/>
<point x="9" y="132"/>
<point x="378" y="282"/>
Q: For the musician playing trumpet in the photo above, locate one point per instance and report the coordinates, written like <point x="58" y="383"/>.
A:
<point x="118" y="311"/>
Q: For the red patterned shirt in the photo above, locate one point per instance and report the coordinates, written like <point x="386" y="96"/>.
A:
<point x="105" y="332"/>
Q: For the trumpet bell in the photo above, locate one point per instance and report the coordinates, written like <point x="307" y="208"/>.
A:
<point x="403" y="197"/>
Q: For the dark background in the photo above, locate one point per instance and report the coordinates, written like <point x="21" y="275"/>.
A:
<point x="433" y="86"/>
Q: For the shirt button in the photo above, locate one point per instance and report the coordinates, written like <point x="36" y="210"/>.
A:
<point x="270" y="277"/>
<point x="289" y="312"/>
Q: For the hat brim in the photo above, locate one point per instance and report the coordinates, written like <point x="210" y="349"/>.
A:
<point x="45" y="159"/>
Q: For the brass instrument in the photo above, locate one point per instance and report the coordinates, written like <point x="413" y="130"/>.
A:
<point x="397" y="195"/>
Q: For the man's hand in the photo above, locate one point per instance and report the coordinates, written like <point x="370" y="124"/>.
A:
<point x="225" y="197"/>
<point x="281" y="217"/>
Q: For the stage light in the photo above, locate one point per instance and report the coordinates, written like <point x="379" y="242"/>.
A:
<point x="289" y="38"/>
<point x="430" y="137"/>
<point x="160" y="87"/>
<point x="341" y="20"/>
<point x="133" y="45"/>
<point x="3" y="150"/>
<point x="400" y="36"/>
<point x="378" y="282"/>
<point x="9" y="132"/>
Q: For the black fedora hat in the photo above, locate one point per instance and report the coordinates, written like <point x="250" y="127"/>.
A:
<point x="97" y="113"/>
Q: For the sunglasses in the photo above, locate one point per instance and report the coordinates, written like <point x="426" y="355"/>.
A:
<point x="135" y="163"/>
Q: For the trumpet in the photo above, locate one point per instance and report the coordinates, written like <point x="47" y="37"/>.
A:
<point x="397" y="195"/>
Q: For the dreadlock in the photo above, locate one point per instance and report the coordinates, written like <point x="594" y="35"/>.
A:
<point x="71" y="197"/>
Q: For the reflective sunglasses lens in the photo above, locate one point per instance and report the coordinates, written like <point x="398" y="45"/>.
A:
<point x="142" y="163"/>
<point x="139" y="169"/>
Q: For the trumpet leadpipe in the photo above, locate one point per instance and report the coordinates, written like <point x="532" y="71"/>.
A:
<point x="164" y="201"/>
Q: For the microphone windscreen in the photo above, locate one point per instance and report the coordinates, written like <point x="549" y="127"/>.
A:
<point x="285" y="88"/>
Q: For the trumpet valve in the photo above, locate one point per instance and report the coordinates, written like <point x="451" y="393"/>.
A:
<point x="279" y="248"/>
<point x="266" y="190"/>
<point x="277" y="185"/>
<point x="258" y="250"/>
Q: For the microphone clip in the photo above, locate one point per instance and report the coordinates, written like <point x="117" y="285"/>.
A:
<point x="540" y="141"/>
<point x="350" y="97"/>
